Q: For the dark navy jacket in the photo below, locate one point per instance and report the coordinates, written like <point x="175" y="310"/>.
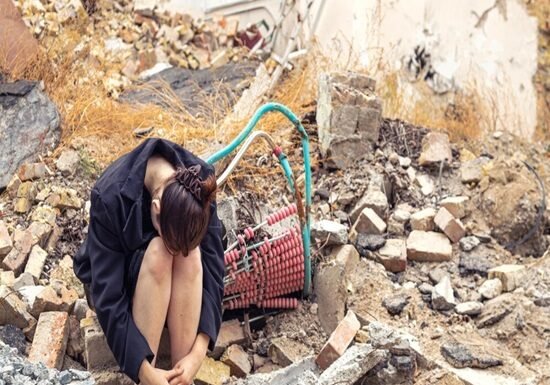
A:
<point x="120" y="223"/>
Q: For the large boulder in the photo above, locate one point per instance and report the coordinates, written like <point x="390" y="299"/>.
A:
<point x="29" y="124"/>
<point x="349" y="115"/>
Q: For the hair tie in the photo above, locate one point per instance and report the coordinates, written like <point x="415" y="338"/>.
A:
<point x="189" y="179"/>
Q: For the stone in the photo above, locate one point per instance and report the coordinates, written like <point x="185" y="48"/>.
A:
<point x="14" y="310"/>
<point x="511" y="276"/>
<point x="423" y="220"/>
<point x="368" y="242"/>
<point x="44" y="214"/>
<point x="472" y="171"/>
<point x="349" y="116"/>
<point x="333" y="233"/>
<point x="80" y="309"/>
<point x="45" y="300"/>
<point x="442" y="296"/>
<point x="475" y="263"/>
<point x="374" y="199"/>
<point x="31" y="171"/>
<point x="338" y="341"/>
<point x="436" y="148"/>
<point x="231" y="333"/>
<point x="329" y="286"/>
<point x="469" y="243"/>
<point x="471" y="308"/>
<point x="50" y="339"/>
<point x="97" y="354"/>
<point x="237" y="360"/>
<point x="437" y="274"/>
<point x="425" y="288"/>
<point x="464" y="356"/>
<point x="353" y="365"/>
<point x="68" y="162"/>
<point x="227" y="212"/>
<point x="368" y="222"/>
<point x="396" y="303"/>
<point x="426" y="184"/>
<point x="64" y="198"/>
<point x="491" y="288"/>
<point x="17" y="257"/>
<point x="13" y="337"/>
<point x="456" y="206"/>
<point x="393" y="255"/>
<point x="494" y="311"/>
<point x="451" y="226"/>
<point x="40" y="232"/>
<point x="427" y="246"/>
<point x="35" y="264"/>
<point x="7" y="278"/>
<point x="284" y="352"/>
<point x="346" y="256"/>
<point x="5" y="240"/>
<point x="25" y="279"/>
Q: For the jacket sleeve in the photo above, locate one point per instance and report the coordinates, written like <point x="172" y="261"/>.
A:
<point x="112" y="304"/>
<point x="213" y="272"/>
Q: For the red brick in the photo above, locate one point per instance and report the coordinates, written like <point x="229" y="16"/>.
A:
<point x="451" y="226"/>
<point x="237" y="360"/>
<point x="50" y="339"/>
<point x="368" y="222"/>
<point x="13" y="310"/>
<point x="339" y="340"/>
<point x="393" y="255"/>
<point x="46" y="301"/>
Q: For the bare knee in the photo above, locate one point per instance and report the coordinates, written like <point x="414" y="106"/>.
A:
<point x="157" y="262"/>
<point x="189" y="267"/>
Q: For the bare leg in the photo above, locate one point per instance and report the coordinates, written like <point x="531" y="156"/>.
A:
<point x="185" y="304"/>
<point x="152" y="295"/>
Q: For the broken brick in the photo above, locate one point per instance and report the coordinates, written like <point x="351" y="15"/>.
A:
<point x="40" y="232"/>
<point x="97" y="354"/>
<point x="456" y="205"/>
<point x="45" y="301"/>
<point x="428" y="246"/>
<point x="31" y="171"/>
<point x="237" y="360"/>
<point x="284" y="351"/>
<point x="14" y="310"/>
<point x="368" y="222"/>
<point x="451" y="226"/>
<point x="339" y="340"/>
<point x="17" y="257"/>
<point x="35" y="264"/>
<point x="212" y="372"/>
<point x="393" y="255"/>
<point x="231" y="332"/>
<point x="50" y="339"/>
<point x="423" y="220"/>
<point x="5" y="240"/>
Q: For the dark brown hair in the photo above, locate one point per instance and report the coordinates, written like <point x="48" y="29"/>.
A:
<point x="185" y="209"/>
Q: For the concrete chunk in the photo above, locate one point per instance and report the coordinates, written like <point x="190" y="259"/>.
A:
<point x="352" y="365"/>
<point x="330" y="289"/>
<point x="347" y="256"/>
<point x="427" y="246"/>
<point x="339" y="340"/>
<point x="451" y="226"/>
<point x="442" y="296"/>
<point x="50" y="339"/>
<point x="436" y="148"/>
<point x="331" y="232"/>
<point x="423" y="220"/>
<point x="97" y="354"/>
<point x="510" y="276"/>
<point x="491" y="288"/>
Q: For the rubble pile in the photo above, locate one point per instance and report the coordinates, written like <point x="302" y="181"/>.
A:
<point x="137" y="39"/>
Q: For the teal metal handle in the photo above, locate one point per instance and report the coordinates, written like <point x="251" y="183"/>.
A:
<point x="306" y="226"/>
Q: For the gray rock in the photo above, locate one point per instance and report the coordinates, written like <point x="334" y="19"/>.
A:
<point x="436" y="275"/>
<point x="425" y="288"/>
<point x="395" y="304"/>
<point x="469" y="243"/>
<point x="491" y="288"/>
<point x="13" y="337"/>
<point x="443" y="296"/>
<point x="462" y="356"/>
<point x="68" y="162"/>
<point x="474" y="263"/>
<point x="469" y="308"/>
<point x="186" y="84"/>
<point x="333" y="233"/>
<point x="369" y="242"/>
<point x="29" y="123"/>
<point x="471" y="171"/>
<point x="227" y="212"/>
